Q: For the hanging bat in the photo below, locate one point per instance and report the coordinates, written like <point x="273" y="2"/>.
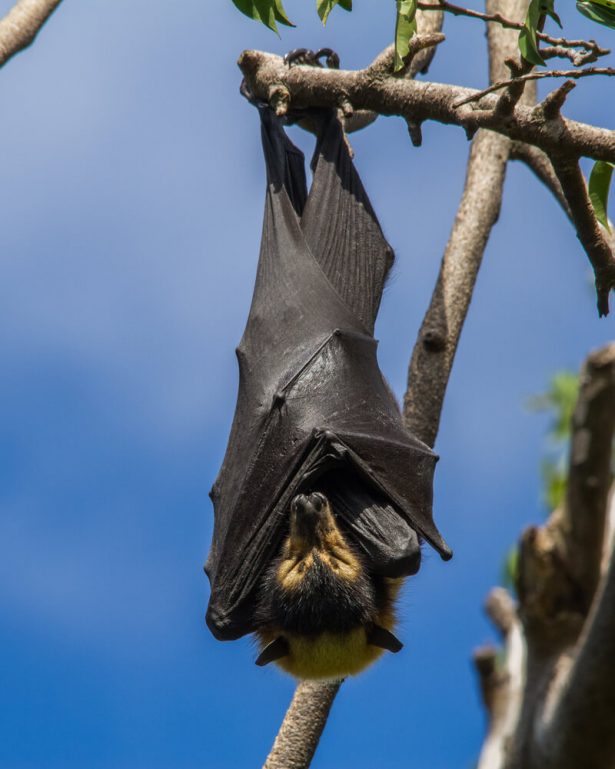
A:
<point x="323" y="497"/>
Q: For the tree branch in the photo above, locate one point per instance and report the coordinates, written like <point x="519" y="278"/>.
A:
<point x="589" y="231"/>
<point x="542" y="127"/>
<point x="434" y="352"/>
<point x="577" y="730"/>
<point x="302" y="727"/>
<point x="503" y="690"/>
<point x="420" y="101"/>
<point x="592" y="48"/>
<point x="569" y="672"/>
<point x="580" y="730"/>
<point x="575" y="74"/>
<point x="428" y="24"/>
<point x="589" y="473"/>
<point x="20" y="26"/>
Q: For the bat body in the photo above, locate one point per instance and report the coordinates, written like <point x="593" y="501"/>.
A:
<point x="323" y="495"/>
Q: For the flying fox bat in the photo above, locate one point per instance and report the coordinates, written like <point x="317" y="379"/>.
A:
<point x="323" y="496"/>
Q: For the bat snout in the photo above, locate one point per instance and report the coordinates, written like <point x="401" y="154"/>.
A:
<point x="309" y="504"/>
<point x="309" y="518"/>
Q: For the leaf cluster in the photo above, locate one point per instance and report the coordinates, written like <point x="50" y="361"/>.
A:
<point x="271" y="13"/>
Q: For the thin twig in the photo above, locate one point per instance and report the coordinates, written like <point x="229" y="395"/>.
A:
<point x="590" y="233"/>
<point x="578" y="58"/>
<point x="575" y="74"/>
<point x="19" y="27"/>
<point x="497" y="18"/>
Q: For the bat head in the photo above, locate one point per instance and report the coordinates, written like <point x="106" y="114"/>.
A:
<point x="322" y="613"/>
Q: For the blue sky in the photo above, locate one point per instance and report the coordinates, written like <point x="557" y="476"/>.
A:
<point x="130" y="208"/>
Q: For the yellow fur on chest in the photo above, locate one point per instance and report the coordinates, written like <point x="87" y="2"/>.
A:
<point x="329" y="655"/>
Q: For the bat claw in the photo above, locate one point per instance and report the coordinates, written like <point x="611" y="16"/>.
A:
<point x="312" y="58"/>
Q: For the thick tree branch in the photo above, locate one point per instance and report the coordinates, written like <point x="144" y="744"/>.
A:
<point x="20" y="26"/>
<point x="577" y="729"/>
<point x="302" y="727"/>
<point x="541" y="127"/>
<point x="434" y="352"/>
<point x="420" y="101"/>
<point x="580" y="731"/>
<point x="559" y="568"/>
<point x="589" y="473"/>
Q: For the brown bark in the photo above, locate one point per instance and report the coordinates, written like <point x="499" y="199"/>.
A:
<point x="20" y="26"/>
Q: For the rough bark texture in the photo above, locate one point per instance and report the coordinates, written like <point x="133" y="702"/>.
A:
<point x="19" y="27"/>
<point x="568" y="615"/>
<point x="566" y="610"/>
<point x="302" y="726"/>
<point x="419" y="101"/>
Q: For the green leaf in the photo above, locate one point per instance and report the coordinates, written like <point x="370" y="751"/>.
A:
<point x="548" y="7"/>
<point x="598" y="11"/>
<point x="280" y="14"/>
<point x="259" y="10"/>
<point x="598" y="188"/>
<point x="405" y="27"/>
<point x="325" y="7"/>
<point x="528" y="43"/>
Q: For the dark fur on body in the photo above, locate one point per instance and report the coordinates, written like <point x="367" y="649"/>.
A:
<point x="321" y="602"/>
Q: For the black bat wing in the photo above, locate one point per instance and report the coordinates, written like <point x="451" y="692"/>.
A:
<point x="313" y="407"/>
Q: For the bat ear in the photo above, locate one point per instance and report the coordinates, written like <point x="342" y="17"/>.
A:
<point x="273" y="651"/>
<point x="383" y="638"/>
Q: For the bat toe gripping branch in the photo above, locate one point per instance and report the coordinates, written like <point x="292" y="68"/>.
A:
<point x="312" y="58"/>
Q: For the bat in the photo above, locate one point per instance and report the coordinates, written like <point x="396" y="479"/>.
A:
<point x="323" y="498"/>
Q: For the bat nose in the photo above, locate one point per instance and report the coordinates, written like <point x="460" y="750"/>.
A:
<point x="309" y="505"/>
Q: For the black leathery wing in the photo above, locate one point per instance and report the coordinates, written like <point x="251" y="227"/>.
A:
<point x="313" y="409"/>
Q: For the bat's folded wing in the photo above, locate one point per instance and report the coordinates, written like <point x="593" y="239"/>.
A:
<point x="312" y="405"/>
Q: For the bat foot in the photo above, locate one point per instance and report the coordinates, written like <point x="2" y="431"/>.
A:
<point x="312" y="58"/>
